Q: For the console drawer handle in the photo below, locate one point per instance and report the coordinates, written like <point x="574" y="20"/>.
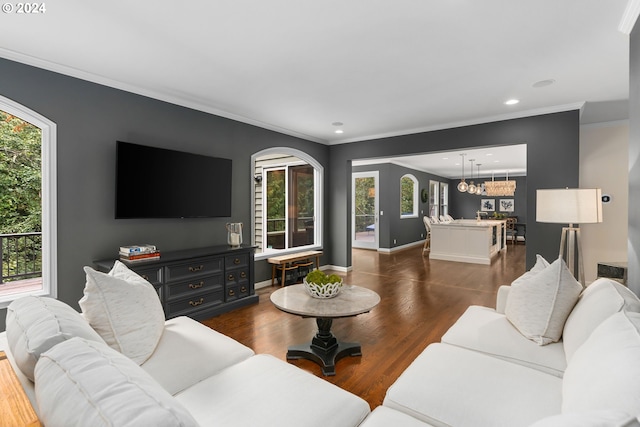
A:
<point x="231" y="278"/>
<point x="231" y="292"/>
<point x="195" y="269"/>
<point x="145" y="277"/>
<point x="236" y="261"/>
<point x="196" y="286"/>
<point x="196" y="303"/>
<point x="243" y="289"/>
<point x="243" y="274"/>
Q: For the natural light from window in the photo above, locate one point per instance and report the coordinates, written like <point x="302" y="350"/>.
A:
<point x="408" y="196"/>
<point x="286" y="202"/>
<point x="27" y="203"/>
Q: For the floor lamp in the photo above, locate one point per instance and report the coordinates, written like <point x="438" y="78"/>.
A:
<point x="570" y="206"/>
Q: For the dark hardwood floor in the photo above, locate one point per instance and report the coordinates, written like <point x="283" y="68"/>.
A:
<point x="420" y="300"/>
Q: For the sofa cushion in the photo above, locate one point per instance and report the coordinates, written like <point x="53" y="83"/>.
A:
<point x="452" y="386"/>
<point x="387" y="417"/>
<point x="265" y="391"/>
<point x="589" y="419"/>
<point x="194" y="352"/>
<point x="540" y="302"/>
<point x="35" y="324"/>
<point x="604" y="373"/>
<point x="597" y="302"/>
<point x="82" y="383"/>
<point x="124" y="309"/>
<point x="483" y="329"/>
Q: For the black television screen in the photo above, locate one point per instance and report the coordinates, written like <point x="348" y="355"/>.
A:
<point x="159" y="183"/>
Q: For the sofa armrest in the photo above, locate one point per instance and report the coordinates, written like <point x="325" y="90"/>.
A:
<point x="501" y="299"/>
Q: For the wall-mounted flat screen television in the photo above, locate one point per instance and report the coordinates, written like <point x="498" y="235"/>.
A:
<point x="160" y="183"/>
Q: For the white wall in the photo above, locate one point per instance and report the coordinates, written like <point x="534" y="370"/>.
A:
<point x="604" y="154"/>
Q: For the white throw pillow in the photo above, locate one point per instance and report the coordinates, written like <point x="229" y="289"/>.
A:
<point x="604" y="373"/>
<point x="35" y="324"/>
<point x="540" y="264"/>
<point x="81" y="383"/>
<point x="597" y="302"/>
<point x="589" y="419"/>
<point x="540" y="302"/>
<point x="125" y="310"/>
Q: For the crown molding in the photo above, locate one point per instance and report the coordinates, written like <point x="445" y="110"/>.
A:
<point x="161" y="96"/>
<point x="195" y="105"/>
<point x="629" y="17"/>
<point x="478" y="121"/>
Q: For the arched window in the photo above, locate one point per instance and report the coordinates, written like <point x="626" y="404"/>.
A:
<point x="408" y="196"/>
<point x="27" y="203"/>
<point x="287" y="201"/>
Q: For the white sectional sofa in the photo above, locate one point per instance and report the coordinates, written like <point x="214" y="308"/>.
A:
<point x="551" y="354"/>
<point x="485" y="372"/>
<point x="121" y="369"/>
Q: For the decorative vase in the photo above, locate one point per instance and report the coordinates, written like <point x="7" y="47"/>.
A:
<point x="234" y="234"/>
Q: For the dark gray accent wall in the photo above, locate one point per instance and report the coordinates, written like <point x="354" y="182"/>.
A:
<point x="391" y="226"/>
<point x="90" y="118"/>
<point x="634" y="162"/>
<point x="552" y="162"/>
<point x="465" y="205"/>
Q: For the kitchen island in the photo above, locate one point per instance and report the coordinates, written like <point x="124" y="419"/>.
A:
<point x="468" y="240"/>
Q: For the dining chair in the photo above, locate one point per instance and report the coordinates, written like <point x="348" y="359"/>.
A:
<point x="427" y="226"/>
<point x="511" y="231"/>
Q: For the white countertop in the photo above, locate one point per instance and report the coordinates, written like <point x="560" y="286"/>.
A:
<point x="471" y="223"/>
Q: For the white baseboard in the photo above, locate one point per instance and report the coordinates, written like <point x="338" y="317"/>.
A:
<point x="401" y="247"/>
<point x="336" y="268"/>
<point x="263" y="284"/>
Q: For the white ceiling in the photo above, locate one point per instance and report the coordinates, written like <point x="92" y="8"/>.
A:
<point x="380" y="67"/>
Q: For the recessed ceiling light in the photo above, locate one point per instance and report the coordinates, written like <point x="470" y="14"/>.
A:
<point x="512" y="102"/>
<point x="489" y="154"/>
<point x="543" y="83"/>
<point x="445" y="158"/>
<point x="339" y="131"/>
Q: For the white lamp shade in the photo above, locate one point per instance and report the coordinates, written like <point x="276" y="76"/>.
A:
<point x="569" y="205"/>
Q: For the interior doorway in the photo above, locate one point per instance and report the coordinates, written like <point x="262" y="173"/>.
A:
<point x="365" y="207"/>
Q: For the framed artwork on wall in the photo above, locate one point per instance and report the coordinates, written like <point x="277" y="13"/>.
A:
<point x="487" y="205"/>
<point x="506" y="205"/>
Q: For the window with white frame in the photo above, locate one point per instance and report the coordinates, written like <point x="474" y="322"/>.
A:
<point x="408" y="196"/>
<point x="287" y="196"/>
<point x="444" y="198"/>
<point x="27" y="203"/>
<point x="434" y="196"/>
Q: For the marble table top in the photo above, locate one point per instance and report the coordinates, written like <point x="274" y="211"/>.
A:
<point x="351" y="301"/>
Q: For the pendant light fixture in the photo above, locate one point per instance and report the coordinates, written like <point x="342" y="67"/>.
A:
<point x="500" y="188"/>
<point x="472" y="187"/>
<point x="462" y="185"/>
<point x="479" y="187"/>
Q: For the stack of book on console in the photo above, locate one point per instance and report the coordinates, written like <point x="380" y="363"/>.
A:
<point x="139" y="253"/>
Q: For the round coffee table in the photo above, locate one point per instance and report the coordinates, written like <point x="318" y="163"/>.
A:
<point x="324" y="348"/>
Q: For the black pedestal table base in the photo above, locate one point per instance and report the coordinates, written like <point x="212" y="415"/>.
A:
<point x="324" y="349"/>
